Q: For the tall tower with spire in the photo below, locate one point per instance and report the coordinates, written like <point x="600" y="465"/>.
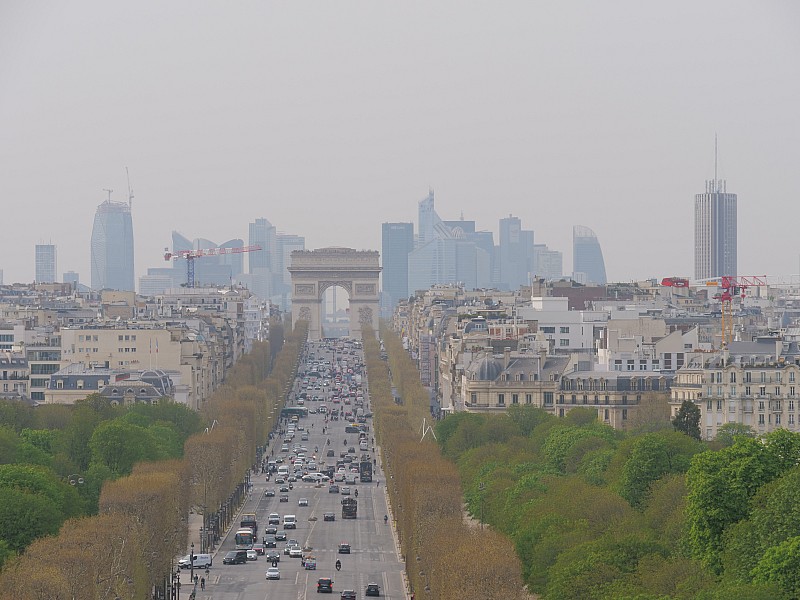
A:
<point x="112" y="246"/>
<point x="715" y="229"/>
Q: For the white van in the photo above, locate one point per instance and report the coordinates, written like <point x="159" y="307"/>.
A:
<point x="289" y="522"/>
<point x="283" y="470"/>
<point x="201" y="561"/>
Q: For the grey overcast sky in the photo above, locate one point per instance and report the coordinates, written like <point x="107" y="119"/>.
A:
<point x="329" y="118"/>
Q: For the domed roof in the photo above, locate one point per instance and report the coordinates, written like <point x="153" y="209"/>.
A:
<point x="487" y="368"/>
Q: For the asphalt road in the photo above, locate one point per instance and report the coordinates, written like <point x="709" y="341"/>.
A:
<point x="373" y="559"/>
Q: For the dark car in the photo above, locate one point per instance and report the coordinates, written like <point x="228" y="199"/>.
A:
<point x="272" y="530"/>
<point x="270" y="542"/>
<point x="348" y="595"/>
<point x="330" y="453"/>
<point x="333" y="489"/>
<point x="284" y="488"/>
<point x="284" y="498"/>
<point x="373" y="590"/>
<point x="344" y="548"/>
<point x="280" y="535"/>
<point x="329" y="516"/>
<point x="269" y="493"/>
<point x="273" y="556"/>
<point x="235" y="557"/>
<point x="325" y="584"/>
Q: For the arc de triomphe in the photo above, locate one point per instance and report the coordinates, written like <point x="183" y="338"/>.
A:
<point x="356" y="271"/>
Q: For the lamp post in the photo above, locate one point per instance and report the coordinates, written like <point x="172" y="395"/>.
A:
<point x="176" y="584"/>
<point x="482" y="488"/>
<point x="191" y="562"/>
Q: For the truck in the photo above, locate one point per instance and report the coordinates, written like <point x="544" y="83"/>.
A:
<point x="365" y="471"/>
<point x="349" y="508"/>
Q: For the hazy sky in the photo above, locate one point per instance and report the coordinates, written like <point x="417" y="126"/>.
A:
<point x="329" y="118"/>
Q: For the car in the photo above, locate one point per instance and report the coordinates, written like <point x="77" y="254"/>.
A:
<point x="273" y="573"/>
<point x="330" y="453"/>
<point x="260" y="548"/>
<point x="351" y="450"/>
<point x="252" y="555"/>
<point x="302" y="502"/>
<point x="280" y="480"/>
<point x="274" y="519"/>
<point x="284" y="489"/>
<point x="333" y="489"/>
<point x="271" y="530"/>
<point x="269" y="493"/>
<point x="309" y="478"/>
<point x="325" y="584"/>
<point x="338" y="477"/>
<point x="235" y="557"/>
<point x="270" y="541"/>
<point x="373" y="590"/>
<point x="292" y="478"/>
<point x="329" y="516"/>
<point x="284" y="498"/>
<point x="344" y="548"/>
<point x="289" y="547"/>
<point x="345" y="491"/>
<point x="310" y="563"/>
<point x="280" y="535"/>
<point x="348" y="595"/>
<point x="273" y="556"/>
<point x="295" y="552"/>
<point x="284" y="448"/>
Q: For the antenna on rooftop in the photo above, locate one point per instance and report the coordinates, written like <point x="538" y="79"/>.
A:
<point x="130" y="189"/>
<point x="109" y="193"/>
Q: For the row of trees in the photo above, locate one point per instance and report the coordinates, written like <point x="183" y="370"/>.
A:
<point x="446" y="556"/>
<point x="599" y="514"/>
<point x="127" y="548"/>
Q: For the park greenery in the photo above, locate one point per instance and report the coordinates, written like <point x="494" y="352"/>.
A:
<point x="109" y="488"/>
<point x="651" y="513"/>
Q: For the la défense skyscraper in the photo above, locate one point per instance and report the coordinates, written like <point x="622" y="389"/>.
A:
<point x="715" y="231"/>
<point x="112" y="247"/>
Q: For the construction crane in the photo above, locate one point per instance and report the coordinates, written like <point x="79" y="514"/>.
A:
<point x="190" y="255"/>
<point x="731" y="286"/>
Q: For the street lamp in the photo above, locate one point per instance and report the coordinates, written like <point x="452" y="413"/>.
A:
<point x="176" y="584"/>
<point x="191" y="562"/>
<point x="482" y="487"/>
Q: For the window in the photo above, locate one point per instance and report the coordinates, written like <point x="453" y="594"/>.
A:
<point x="763" y="377"/>
<point x="119" y="338"/>
<point x="564" y="330"/>
<point x="80" y="338"/>
<point x="624" y="414"/>
<point x="777" y="418"/>
<point x="624" y="400"/>
<point x="548" y="398"/>
<point x="548" y="329"/>
<point x="528" y="398"/>
<point x="473" y="398"/>
<point x="747" y="377"/>
<point x="585" y="399"/>
<point x="733" y="377"/>
<point x="573" y="399"/>
<point x="791" y="390"/>
<point x="747" y="391"/>
<point x="791" y="376"/>
<point x="762" y="390"/>
<point x="791" y="419"/>
<point x="629" y="366"/>
<point x="733" y="390"/>
<point x="501" y="398"/>
<point x="605" y="415"/>
<point x="563" y="342"/>
<point x="719" y="404"/>
<point x="560" y="412"/>
<point x="596" y="399"/>
<point x="133" y="338"/>
<point x="514" y="398"/>
<point x="760" y="405"/>
<point x="760" y="419"/>
<point x="777" y="391"/>
<point x="708" y="404"/>
<point x="791" y="404"/>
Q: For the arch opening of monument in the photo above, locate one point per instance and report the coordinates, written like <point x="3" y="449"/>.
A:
<point x="355" y="271"/>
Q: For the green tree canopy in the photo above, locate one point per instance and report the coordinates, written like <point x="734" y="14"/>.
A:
<point x="687" y="420"/>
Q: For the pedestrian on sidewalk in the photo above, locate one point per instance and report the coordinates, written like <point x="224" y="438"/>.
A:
<point x="202" y="583"/>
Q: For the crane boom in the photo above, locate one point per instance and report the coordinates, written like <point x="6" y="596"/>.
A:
<point x="191" y="255"/>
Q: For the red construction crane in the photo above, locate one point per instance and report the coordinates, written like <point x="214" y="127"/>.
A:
<point x="190" y="255"/>
<point x="732" y="286"/>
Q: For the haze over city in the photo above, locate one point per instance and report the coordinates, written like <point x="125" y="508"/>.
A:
<point x="329" y="119"/>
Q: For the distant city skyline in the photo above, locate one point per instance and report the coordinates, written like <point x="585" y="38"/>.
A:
<point x="331" y="119"/>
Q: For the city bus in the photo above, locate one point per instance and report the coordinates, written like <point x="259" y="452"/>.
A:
<point x="291" y="411"/>
<point x="244" y="539"/>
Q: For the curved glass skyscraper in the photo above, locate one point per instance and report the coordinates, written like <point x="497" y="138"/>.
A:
<point x="112" y="247"/>
<point x="588" y="265"/>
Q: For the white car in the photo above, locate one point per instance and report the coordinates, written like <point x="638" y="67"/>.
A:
<point x="273" y="573"/>
<point x="302" y="502"/>
<point x="295" y="552"/>
<point x="252" y="555"/>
